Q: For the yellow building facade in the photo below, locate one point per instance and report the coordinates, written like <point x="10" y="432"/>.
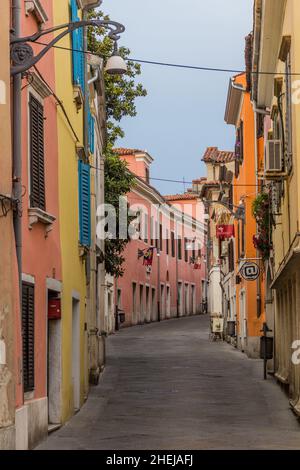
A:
<point x="277" y="48"/>
<point x="74" y="374"/>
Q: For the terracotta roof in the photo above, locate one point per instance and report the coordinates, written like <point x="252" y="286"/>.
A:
<point x="123" y="151"/>
<point x="200" y="180"/>
<point x="181" y="197"/>
<point x="214" y="155"/>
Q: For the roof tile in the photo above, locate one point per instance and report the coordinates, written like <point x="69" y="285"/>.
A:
<point x="214" y="155"/>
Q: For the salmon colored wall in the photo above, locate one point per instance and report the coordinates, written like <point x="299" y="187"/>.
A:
<point x="248" y="193"/>
<point x="136" y="272"/>
<point x="41" y="255"/>
<point x="137" y="167"/>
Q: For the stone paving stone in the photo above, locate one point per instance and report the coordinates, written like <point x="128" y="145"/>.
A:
<point x="167" y="386"/>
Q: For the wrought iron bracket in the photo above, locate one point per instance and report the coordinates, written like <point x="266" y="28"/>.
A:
<point x="22" y="54"/>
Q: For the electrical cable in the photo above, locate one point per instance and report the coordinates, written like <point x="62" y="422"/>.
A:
<point x="181" y="181"/>
<point x="183" y="66"/>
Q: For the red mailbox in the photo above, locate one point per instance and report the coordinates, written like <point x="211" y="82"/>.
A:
<point x="54" y="309"/>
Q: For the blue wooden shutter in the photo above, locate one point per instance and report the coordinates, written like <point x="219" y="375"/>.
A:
<point x="77" y="45"/>
<point x="91" y="122"/>
<point x="84" y="203"/>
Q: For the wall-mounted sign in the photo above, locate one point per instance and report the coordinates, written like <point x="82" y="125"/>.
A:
<point x="224" y="232"/>
<point x="250" y="271"/>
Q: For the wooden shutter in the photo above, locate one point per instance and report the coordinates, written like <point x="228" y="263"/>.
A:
<point x="173" y="244"/>
<point x="37" y="159"/>
<point x="84" y="203"/>
<point x="77" y="46"/>
<point x="28" y="336"/>
<point x="186" y="254"/>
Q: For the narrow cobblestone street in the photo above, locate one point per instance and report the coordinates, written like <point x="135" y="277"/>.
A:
<point x="167" y="386"/>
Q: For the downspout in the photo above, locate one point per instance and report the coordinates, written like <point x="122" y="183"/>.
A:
<point x="17" y="148"/>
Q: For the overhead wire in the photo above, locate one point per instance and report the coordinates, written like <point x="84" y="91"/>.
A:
<point x="174" y="65"/>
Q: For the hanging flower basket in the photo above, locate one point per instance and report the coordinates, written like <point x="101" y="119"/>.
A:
<point x="261" y="211"/>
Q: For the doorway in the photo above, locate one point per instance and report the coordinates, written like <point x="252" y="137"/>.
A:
<point x="54" y="360"/>
<point x="153" y="305"/>
<point x="243" y="320"/>
<point x="168" y="302"/>
<point x="148" y="307"/>
<point x="76" y="352"/>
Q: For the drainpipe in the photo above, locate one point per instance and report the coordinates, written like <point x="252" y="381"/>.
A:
<point x="94" y="78"/>
<point x="17" y="147"/>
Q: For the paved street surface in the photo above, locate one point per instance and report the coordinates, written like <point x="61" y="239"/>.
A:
<point x="167" y="386"/>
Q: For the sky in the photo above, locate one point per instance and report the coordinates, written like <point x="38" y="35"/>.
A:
<point x="184" y="110"/>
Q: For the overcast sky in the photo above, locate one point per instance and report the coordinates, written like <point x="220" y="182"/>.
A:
<point x="184" y="110"/>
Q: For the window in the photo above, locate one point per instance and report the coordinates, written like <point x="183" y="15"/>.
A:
<point x="152" y="230"/>
<point x="28" y="336"/>
<point x="146" y="228"/>
<point x="186" y="253"/>
<point x="160" y="237"/>
<point x="37" y="163"/>
<point x="167" y="242"/>
<point x="173" y="244"/>
<point x="179" y="248"/>
<point x="156" y="235"/>
<point x="84" y="204"/>
<point x="77" y="46"/>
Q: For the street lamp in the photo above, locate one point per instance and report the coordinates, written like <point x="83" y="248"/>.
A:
<point x="23" y="57"/>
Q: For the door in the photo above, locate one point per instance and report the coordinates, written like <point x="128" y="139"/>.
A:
<point x="76" y="352"/>
<point x="168" y="302"/>
<point x="186" y="299"/>
<point x="153" y="305"/>
<point x="148" y="307"/>
<point x="243" y="320"/>
<point x="54" y="366"/>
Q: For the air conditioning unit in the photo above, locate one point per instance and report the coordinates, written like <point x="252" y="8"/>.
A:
<point x="273" y="156"/>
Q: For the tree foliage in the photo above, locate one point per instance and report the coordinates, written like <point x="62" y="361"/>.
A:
<point x="121" y="92"/>
<point x="118" y="182"/>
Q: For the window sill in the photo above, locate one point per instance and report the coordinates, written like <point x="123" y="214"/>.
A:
<point x="37" y="215"/>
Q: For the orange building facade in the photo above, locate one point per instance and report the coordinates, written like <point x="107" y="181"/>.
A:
<point x="249" y="293"/>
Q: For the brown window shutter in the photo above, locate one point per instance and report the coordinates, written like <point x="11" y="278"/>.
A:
<point x="28" y="336"/>
<point x="37" y="164"/>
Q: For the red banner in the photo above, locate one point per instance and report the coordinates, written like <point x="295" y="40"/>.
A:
<point x="225" y="231"/>
<point x="148" y="257"/>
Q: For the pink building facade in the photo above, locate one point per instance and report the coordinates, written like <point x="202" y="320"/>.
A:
<point x="41" y="260"/>
<point x="172" y="230"/>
